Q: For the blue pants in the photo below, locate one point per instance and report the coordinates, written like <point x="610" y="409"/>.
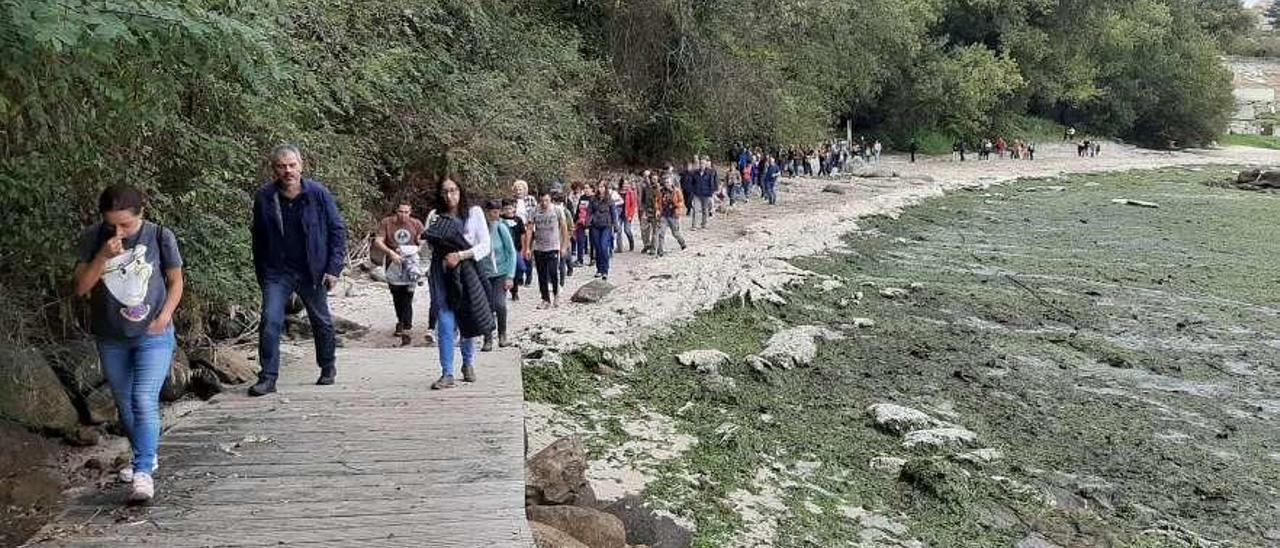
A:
<point x="524" y="270"/>
<point x="771" y="192"/>
<point x="579" y="243"/>
<point x="521" y="266"/>
<point x="447" y="329"/>
<point x="602" y="245"/>
<point x="276" y="289"/>
<point x="136" y="369"/>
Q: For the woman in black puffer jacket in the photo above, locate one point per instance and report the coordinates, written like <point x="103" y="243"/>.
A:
<point x="458" y="236"/>
<point x="600" y="223"/>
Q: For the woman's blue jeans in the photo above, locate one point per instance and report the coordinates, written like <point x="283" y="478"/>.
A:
<point x="447" y="329"/>
<point x="602" y="245"/>
<point x="136" y="368"/>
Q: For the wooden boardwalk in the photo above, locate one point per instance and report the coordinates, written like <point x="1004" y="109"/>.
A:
<point x="375" y="460"/>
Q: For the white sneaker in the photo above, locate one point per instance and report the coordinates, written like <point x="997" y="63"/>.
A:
<point x="143" y="488"/>
<point x="126" y="473"/>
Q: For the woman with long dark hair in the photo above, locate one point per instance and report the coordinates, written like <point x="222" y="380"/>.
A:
<point x="458" y="236"/>
<point x="131" y="271"/>
<point x="600" y="222"/>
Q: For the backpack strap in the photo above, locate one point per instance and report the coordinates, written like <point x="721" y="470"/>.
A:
<point x="159" y="228"/>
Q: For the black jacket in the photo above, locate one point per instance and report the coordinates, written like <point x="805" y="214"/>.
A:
<point x="465" y="289"/>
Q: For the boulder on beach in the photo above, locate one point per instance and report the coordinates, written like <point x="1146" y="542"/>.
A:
<point x="593" y="292"/>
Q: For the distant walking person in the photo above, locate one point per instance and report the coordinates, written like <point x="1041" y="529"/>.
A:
<point x="299" y="246"/>
<point x="649" y="218"/>
<point x="499" y="269"/>
<point x="600" y="225"/>
<point x="549" y="239"/>
<point x="131" y="271"/>
<point x="581" y="220"/>
<point x="689" y="184"/>
<point x="458" y="236"/>
<point x="734" y="183"/>
<point x="770" y="180"/>
<point x="523" y="208"/>
<point x="706" y="183"/>
<point x="670" y="204"/>
<point x="397" y="239"/>
<point x="913" y="148"/>
<point x="630" y="209"/>
<point x="516" y="226"/>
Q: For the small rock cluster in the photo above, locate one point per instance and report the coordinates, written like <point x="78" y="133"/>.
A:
<point x="563" y="511"/>
<point x="707" y="364"/>
<point x="792" y="347"/>
<point x="926" y="437"/>
<point x="65" y="391"/>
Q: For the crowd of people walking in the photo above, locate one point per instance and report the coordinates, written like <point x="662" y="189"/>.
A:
<point x="471" y="256"/>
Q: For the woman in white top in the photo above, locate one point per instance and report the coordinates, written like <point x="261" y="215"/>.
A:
<point x="469" y="314"/>
<point x="526" y="206"/>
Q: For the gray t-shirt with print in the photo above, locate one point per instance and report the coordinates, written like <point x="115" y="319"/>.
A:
<point x="132" y="289"/>
<point x="546" y="229"/>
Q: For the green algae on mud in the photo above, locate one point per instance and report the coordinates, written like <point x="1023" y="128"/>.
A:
<point x="1123" y="359"/>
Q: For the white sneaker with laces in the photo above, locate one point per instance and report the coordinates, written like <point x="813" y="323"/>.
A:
<point x="144" y="488"/>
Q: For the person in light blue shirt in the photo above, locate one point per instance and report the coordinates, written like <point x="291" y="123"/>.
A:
<point x="500" y="269"/>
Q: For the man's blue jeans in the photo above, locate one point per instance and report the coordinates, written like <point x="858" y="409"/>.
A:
<point x="602" y="245"/>
<point x="136" y="368"/>
<point x="771" y="192"/>
<point x="276" y="289"/>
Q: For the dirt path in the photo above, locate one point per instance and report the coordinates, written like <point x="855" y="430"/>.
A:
<point x="743" y="252"/>
<point x="746" y="253"/>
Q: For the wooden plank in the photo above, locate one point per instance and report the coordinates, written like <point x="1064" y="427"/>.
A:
<point x="499" y="531"/>
<point x="422" y="425"/>
<point x="354" y="417"/>
<point x="199" y="514"/>
<point x="217" y="491"/>
<point x="376" y="460"/>
<point x="303" y="458"/>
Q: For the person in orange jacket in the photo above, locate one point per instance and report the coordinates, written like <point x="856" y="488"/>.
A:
<point x="627" y="214"/>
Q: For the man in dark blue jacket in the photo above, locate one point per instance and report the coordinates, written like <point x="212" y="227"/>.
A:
<point x="688" y="182"/>
<point x="299" y="246"/>
<point x="770" y="180"/>
<point x="706" y="183"/>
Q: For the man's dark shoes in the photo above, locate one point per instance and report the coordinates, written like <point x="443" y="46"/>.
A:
<point x="326" y="377"/>
<point x="263" y="388"/>
<point x="468" y="373"/>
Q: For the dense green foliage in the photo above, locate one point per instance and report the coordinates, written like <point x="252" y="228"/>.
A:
<point x="183" y="97"/>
